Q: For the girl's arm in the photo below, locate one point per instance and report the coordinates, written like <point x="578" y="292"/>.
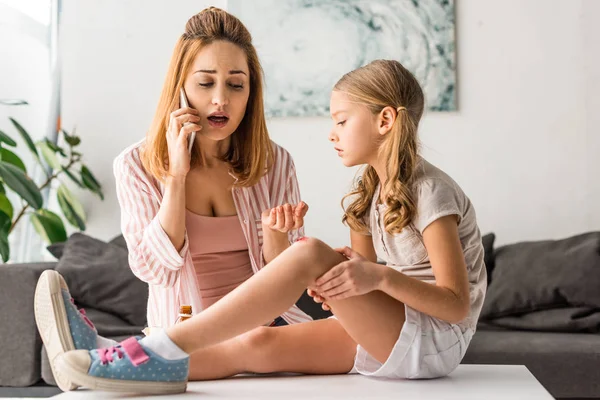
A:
<point x="448" y="299"/>
<point x="363" y="244"/>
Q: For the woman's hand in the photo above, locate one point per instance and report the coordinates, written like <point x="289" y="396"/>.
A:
<point x="285" y="218"/>
<point x="182" y="123"/>
<point x="354" y="277"/>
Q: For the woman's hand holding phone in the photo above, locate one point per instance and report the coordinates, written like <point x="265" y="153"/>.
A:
<point x="182" y="124"/>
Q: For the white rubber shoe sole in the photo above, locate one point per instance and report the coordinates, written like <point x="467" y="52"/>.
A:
<point x="52" y="322"/>
<point x="77" y="363"/>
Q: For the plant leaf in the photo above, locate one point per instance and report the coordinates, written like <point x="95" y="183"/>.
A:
<point x="49" y="226"/>
<point x="71" y="207"/>
<point x="13" y="102"/>
<point x="56" y="148"/>
<point x="21" y="184"/>
<point x="90" y="181"/>
<point x="74" y="141"/>
<point x="6" y="206"/>
<point x="71" y="139"/>
<point x="2" y="190"/>
<point x="73" y="177"/>
<point x="4" y="138"/>
<point x="25" y="137"/>
<point x="49" y="155"/>
<point x="5" y="223"/>
<point x="12" y="158"/>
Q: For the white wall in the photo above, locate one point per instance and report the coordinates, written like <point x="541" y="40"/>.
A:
<point x="115" y="56"/>
<point x="25" y="75"/>
<point x="522" y="144"/>
<point x="591" y="47"/>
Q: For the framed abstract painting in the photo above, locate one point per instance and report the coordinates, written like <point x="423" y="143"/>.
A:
<point x="305" y="46"/>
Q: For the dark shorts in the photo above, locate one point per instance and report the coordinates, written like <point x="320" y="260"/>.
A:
<point x="278" y="322"/>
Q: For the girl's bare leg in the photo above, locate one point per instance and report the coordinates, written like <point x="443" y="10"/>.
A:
<point x="219" y="361"/>
<point x="373" y="320"/>
<point x="318" y="347"/>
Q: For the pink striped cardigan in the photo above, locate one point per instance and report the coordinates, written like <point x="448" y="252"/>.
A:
<point x="153" y="258"/>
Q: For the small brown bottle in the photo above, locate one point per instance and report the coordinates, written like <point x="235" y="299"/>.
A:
<point x="185" y="312"/>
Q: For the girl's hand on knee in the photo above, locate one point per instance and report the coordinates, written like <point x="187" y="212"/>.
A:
<point x="285" y="218"/>
<point x="318" y="299"/>
<point x="354" y="277"/>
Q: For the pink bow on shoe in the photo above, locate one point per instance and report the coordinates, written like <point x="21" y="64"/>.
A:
<point x="130" y="346"/>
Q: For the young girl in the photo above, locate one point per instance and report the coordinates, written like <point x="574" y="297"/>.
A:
<point x="196" y="224"/>
<point x="413" y="318"/>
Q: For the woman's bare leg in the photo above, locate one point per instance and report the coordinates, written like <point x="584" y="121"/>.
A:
<point x="373" y="320"/>
<point x="318" y="347"/>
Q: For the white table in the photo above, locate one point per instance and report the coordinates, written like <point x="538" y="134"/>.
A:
<point x="466" y="382"/>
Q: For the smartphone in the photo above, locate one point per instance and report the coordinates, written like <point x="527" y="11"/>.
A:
<point x="183" y="102"/>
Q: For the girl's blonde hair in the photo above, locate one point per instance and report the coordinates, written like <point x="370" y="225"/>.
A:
<point x="380" y="84"/>
<point x="251" y="153"/>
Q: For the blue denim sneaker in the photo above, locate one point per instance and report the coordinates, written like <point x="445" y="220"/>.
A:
<point x="128" y="367"/>
<point x="61" y="325"/>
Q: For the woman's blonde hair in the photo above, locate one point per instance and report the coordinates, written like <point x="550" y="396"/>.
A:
<point x="380" y="84"/>
<point x="251" y="153"/>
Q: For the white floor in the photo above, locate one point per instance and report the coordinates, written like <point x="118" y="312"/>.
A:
<point x="475" y="382"/>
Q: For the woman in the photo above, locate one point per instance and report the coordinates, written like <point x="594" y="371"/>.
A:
<point x="196" y="224"/>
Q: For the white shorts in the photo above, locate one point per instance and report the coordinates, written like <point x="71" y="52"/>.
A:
<point x="427" y="348"/>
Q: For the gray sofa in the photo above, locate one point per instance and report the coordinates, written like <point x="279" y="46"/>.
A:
<point x="542" y="309"/>
<point x="97" y="273"/>
<point x="24" y="368"/>
<point x="566" y="364"/>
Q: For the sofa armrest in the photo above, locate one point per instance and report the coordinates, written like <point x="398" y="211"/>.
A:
<point x="20" y="343"/>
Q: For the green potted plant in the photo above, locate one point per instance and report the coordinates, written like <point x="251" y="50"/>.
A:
<point x="57" y="162"/>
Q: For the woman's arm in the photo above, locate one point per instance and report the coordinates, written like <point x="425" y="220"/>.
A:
<point x="275" y="241"/>
<point x="153" y="256"/>
<point x="172" y="210"/>
<point x="289" y="214"/>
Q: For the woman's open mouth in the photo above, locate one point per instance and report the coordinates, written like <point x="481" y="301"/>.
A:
<point x="218" y="121"/>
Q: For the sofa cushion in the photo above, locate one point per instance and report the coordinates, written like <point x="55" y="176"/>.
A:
<point x="564" y="319"/>
<point x="99" y="277"/>
<point x="488" y="254"/>
<point x="111" y="326"/>
<point x="534" y="276"/>
<point x="21" y="344"/>
<point x="57" y="249"/>
<point x="119" y="241"/>
<point x="566" y="364"/>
